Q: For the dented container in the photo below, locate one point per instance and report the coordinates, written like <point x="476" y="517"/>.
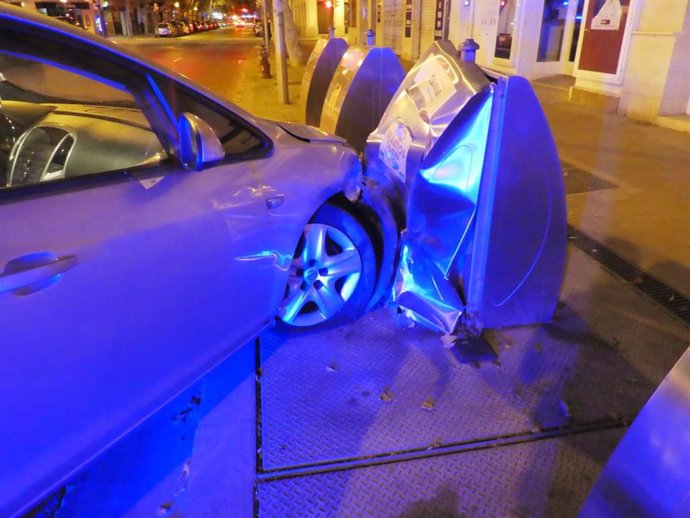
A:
<point x="475" y="169"/>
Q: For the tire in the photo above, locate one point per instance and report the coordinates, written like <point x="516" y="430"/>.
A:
<point x="333" y="271"/>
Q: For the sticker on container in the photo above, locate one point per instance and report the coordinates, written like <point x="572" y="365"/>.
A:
<point x="393" y="151"/>
<point x="434" y="85"/>
<point x="333" y="101"/>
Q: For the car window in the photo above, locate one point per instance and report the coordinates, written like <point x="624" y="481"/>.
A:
<point x="57" y="124"/>
<point x="239" y="139"/>
<point x="236" y="139"/>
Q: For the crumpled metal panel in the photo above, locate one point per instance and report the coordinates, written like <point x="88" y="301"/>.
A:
<point x="432" y="94"/>
<point x="485" y="214"/>
<point x="440" y="200"/>
<point x="362" y="87"/>
<point x="320" y="69"/>
<point x="441" y="210"/>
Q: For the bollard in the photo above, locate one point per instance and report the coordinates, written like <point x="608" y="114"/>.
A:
<point x="264" y="64"/>
<point x="468" y="50"/>
<point x="371" y="37"/>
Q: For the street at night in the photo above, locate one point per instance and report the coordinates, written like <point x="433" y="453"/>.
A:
<point x="215" y="59"/>
<point x="438" y="269"/>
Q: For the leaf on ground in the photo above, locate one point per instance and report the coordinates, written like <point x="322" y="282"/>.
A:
<point x="386" y="396"/>
<point x="428" y="404"/>
<point x="448" y="341"/>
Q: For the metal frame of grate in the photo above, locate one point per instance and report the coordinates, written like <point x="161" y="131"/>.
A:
<point x="652" y="288"/>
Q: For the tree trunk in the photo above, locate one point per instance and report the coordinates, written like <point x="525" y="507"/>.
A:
<point x="291" y="37"/>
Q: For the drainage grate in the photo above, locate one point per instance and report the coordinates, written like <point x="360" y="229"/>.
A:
<point x="578" y="180"/>
<point x="668" y="298"/>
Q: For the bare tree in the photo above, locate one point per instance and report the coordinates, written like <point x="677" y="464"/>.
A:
<point x="291" y="37"/>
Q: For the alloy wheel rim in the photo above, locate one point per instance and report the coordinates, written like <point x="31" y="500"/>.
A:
<point x="323" y="276"/>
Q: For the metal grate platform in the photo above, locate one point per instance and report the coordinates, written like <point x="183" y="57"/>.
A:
<point x="371" y="420"/>
<point x="548" y="478"/>
<point x="578" y="180"/>
<point x="669" y="299"/>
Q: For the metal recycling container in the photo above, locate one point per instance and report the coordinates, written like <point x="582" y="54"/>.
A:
<point x="363" y="85"/>
<point x="476" y="172"/>
<point x="318" y="73"/>
<point x="647" y="474"/>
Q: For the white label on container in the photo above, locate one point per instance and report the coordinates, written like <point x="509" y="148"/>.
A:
<point x="393" y="151"/>
<point x="434" y="85"/>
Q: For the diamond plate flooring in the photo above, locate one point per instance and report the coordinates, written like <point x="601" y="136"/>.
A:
<point x="546" y="478"/>
<point x="370" y="388"/>
<point x="356" y="420"/>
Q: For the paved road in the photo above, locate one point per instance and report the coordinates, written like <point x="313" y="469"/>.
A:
<point x="215" y="59"/>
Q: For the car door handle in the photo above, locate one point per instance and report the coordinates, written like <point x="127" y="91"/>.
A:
<point x="34" y="272"/>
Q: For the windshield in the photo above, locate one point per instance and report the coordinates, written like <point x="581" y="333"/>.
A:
<point x="32" y="81"/>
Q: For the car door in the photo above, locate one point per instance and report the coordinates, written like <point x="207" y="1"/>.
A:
<point x="123" y="278"/>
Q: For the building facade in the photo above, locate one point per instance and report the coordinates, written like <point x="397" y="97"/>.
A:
<point x="629" y="56"/>
<point x="111" y="17"/>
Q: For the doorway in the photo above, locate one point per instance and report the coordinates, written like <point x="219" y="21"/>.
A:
<point x="559" y="35"/>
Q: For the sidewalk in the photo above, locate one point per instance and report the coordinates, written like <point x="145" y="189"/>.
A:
<point x="259" y="96"/>
<point x="628" y="183"/>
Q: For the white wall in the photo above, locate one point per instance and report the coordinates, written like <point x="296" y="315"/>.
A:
<point x="657" y="76"/>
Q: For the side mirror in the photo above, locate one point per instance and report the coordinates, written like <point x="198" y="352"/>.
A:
<point x="198" y="142"/>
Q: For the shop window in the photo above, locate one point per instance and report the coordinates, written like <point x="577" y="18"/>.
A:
<point x="552" y="30"/>
<point x="506" y="27"/>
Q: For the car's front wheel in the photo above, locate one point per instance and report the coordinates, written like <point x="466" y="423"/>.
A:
<point x="333" y="271"/>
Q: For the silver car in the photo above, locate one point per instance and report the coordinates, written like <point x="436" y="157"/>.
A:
<point x="149" y="229"/>
<point x="165" y="30"/>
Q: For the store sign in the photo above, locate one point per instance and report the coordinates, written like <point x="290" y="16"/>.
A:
<point x="408" y="18"/>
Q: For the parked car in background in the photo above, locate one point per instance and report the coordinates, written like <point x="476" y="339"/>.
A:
<point x="151" y="229"/>
<point x="243" y="23"/>
<point x="165" y="30"/>
<point x="182" y="29"/>
<point x="71" y="19"/>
